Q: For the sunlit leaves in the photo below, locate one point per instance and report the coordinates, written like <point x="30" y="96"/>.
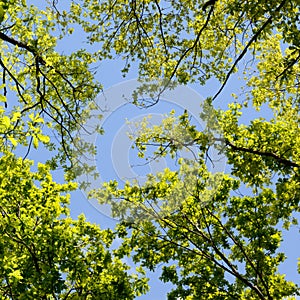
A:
<point x="38" y="80"/>
<point x="215" y="241"/>
<point x="45" y="253"/>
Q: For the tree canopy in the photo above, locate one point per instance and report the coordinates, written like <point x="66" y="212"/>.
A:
<point x="216" y="235"/>
<point x="44" y="253"/>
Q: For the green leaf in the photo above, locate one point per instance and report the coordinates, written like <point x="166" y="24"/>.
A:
<point x="35" y="142"/>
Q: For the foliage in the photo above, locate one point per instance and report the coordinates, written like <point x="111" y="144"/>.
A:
<point x="213" y="241"/>
<point x="45" y="94"/>
<point x="47" y="255"/>
<point x="190" y="41"/>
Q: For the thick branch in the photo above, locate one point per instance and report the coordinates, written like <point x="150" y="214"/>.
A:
<point x="33" y="51"/>
<point x="281" y="160"/>
<point x="14" y="42"/>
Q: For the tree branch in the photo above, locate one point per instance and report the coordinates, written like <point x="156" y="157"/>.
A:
<point x="245" y="50"/>
<point x="281" y="160"/>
